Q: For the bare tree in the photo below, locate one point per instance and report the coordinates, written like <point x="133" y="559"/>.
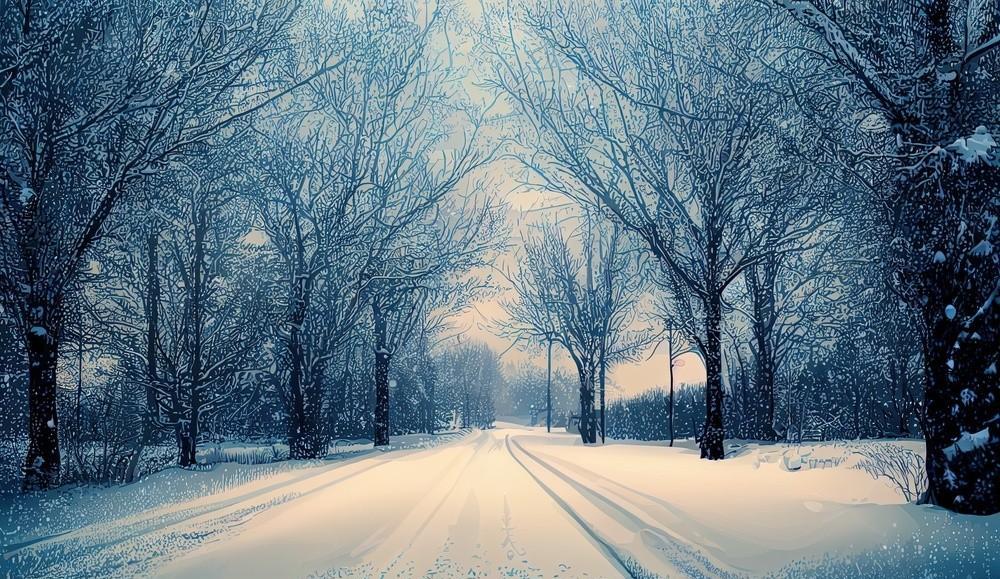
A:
<point x="582" y="302"/>
<point x="404" y="287"/>
<point x="673" y="312"/>
<point x="470" y="378"/>
<point x="211" y="336"/>
<point x="666" y="142"/>
<point x="318" y="225"/>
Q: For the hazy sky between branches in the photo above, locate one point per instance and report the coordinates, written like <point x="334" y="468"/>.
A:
<point x="481" y="322"/>
<point x="528" y="208"/>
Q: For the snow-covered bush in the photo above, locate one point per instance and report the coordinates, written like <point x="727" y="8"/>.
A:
<point x="156" y="458"/>
<point x="899" y="466"/>
<point x="646" y="416"/>
<point x="244" y="454"/>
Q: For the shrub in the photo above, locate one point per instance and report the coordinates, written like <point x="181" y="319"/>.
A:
<point x="900" y="467"/>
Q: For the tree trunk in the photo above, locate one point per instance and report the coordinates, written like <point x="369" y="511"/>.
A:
<point x="41" y="464"/>
<point x="713" y="432"/>
<point x="383" y="357"/>
<point x="430" y="423"/>
<point x="189" y="448"/>
<point x="188" y="437"/>
<point x="951" y="210"/>
<point x="79" y="385"/>
<point x="304" y="438"/>
<point x="960" y="427"/>
<point x="603" y="370"/>
<point x="761" y="280"/>
<point x="151" y="413"/>
<point x="466" y="406"/>
<point x="856" y="413"/>
<point x="382" y="360"/>
<point x="959" y="304"/>
<point x="588" y="422"/>
<point x="905" y="407"/>
<point x="296" y="407"/>
<point x="898" y="393"/>
<point x="185" y="452"/>
<point x="313" y="442"/>
<point x="765" y="388"/>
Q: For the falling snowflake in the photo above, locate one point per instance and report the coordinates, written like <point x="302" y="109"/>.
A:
<point x="974" y="148"/>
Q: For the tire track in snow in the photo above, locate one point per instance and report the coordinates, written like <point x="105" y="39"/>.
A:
<point x="622" y="564"/>
<point x="435" y="540"/>
<point x="135" y="525"/>
<point x="236" y="519"/>
<point x="173" y="537"/>
<point x="683" y="557"/>
<point x="177" y="517"/>
<point x="439" y="494"/>
<point x="215" y="518"/>
<point x="125" y="524"/>
<point x="629" y="496"/>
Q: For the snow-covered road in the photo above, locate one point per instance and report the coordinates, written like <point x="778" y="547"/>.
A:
<point x="517" y="502"/>
<point x="478" y="506"/>
<point x="464" y="508"/>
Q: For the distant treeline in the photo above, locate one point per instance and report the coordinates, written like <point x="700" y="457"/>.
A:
<point x="646" y="416"/>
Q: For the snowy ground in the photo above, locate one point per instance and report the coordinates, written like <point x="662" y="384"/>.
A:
<point x="510" y="502"/>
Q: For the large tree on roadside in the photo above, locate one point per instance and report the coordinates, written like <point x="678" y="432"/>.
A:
<point x="929" y="69"/>
<point x="418" y="138"/>
<point x="361" y="198"/>
<point x="660" y="118"/>
<point x="185" y="310"/>
<point x="93" y="97"/>
<point x="450" y="238"/>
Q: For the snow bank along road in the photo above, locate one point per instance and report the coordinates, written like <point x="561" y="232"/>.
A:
<point x="509" y="502"/>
